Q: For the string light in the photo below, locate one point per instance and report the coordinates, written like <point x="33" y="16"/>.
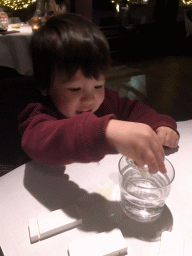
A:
<point x="16" y="4"/>
<point x="188" y="2"/>
<point x="21" y="4"/>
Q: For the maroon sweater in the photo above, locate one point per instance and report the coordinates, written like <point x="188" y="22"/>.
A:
<point x="52" y="139"/>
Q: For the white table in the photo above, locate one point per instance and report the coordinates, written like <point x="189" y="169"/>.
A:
<point x="14" y="50"/>
<point x="29" y="191"/>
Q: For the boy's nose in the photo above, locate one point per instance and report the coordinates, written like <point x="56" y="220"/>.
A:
<point x="88" y="97"/>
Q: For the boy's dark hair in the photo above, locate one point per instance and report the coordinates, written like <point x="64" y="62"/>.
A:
<point x="69" y="42"/>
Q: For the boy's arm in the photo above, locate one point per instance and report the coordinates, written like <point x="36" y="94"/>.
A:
<point x="57" y="142"/>
<point x="164" y="125"/>
<point x="137" y="114"/>
<point x="86" y="138"/>
<point x="135" y="111"/>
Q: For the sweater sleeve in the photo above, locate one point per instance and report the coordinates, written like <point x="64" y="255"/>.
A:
<point x="56" y="142"/>
<point x="135" y="111"/>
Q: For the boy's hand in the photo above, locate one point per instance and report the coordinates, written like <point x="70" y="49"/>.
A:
<point x="167" y="136"/>
<point x="137" y="141"/>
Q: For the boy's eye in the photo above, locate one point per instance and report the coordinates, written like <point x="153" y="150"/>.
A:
<point x="98" y="86"/>
<point x="74" y="89"/>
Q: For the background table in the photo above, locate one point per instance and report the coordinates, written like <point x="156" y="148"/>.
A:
<point x="33" y="189"/>
<point x="14" y="50"/>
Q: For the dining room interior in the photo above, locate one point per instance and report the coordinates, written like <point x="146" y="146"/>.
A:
<point x="151" y="59"/>
<point x="150" y="43"/>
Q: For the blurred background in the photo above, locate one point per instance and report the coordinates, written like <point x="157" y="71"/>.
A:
<point x="143" y="28"/>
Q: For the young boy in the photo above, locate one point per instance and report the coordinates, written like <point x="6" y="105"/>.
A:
<point x="76" y="119"/>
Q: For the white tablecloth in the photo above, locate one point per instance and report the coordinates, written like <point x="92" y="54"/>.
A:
<point x="33" y="189"/>
<point x="14" y="50"/>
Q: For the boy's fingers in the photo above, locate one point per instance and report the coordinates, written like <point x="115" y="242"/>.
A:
<point x="162" y="168"/>
<point x="168" y="137"/>
<point x="161" y="137"/>
<point x="154" y="167"/>
<point x="160" y="156"/>
<point x="154" y="157"/>
<point x="156" y="160"/>
<point x="174" y="143"/>
<point x="159" y="140"/>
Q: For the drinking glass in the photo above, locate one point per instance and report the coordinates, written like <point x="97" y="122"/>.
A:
<point x="143" y="197"/>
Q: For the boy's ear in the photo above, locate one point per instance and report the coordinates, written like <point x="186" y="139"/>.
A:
<point x="44" y="92"/>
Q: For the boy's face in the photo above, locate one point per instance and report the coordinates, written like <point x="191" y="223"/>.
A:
<point x="77" y="95"/>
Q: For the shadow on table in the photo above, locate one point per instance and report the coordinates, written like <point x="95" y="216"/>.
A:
<point x="100" y="214"/>
<point x="144" y="231"/>
<point x="53" y="188"/>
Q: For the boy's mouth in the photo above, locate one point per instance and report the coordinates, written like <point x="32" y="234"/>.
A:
<point x="83" y="111"/>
